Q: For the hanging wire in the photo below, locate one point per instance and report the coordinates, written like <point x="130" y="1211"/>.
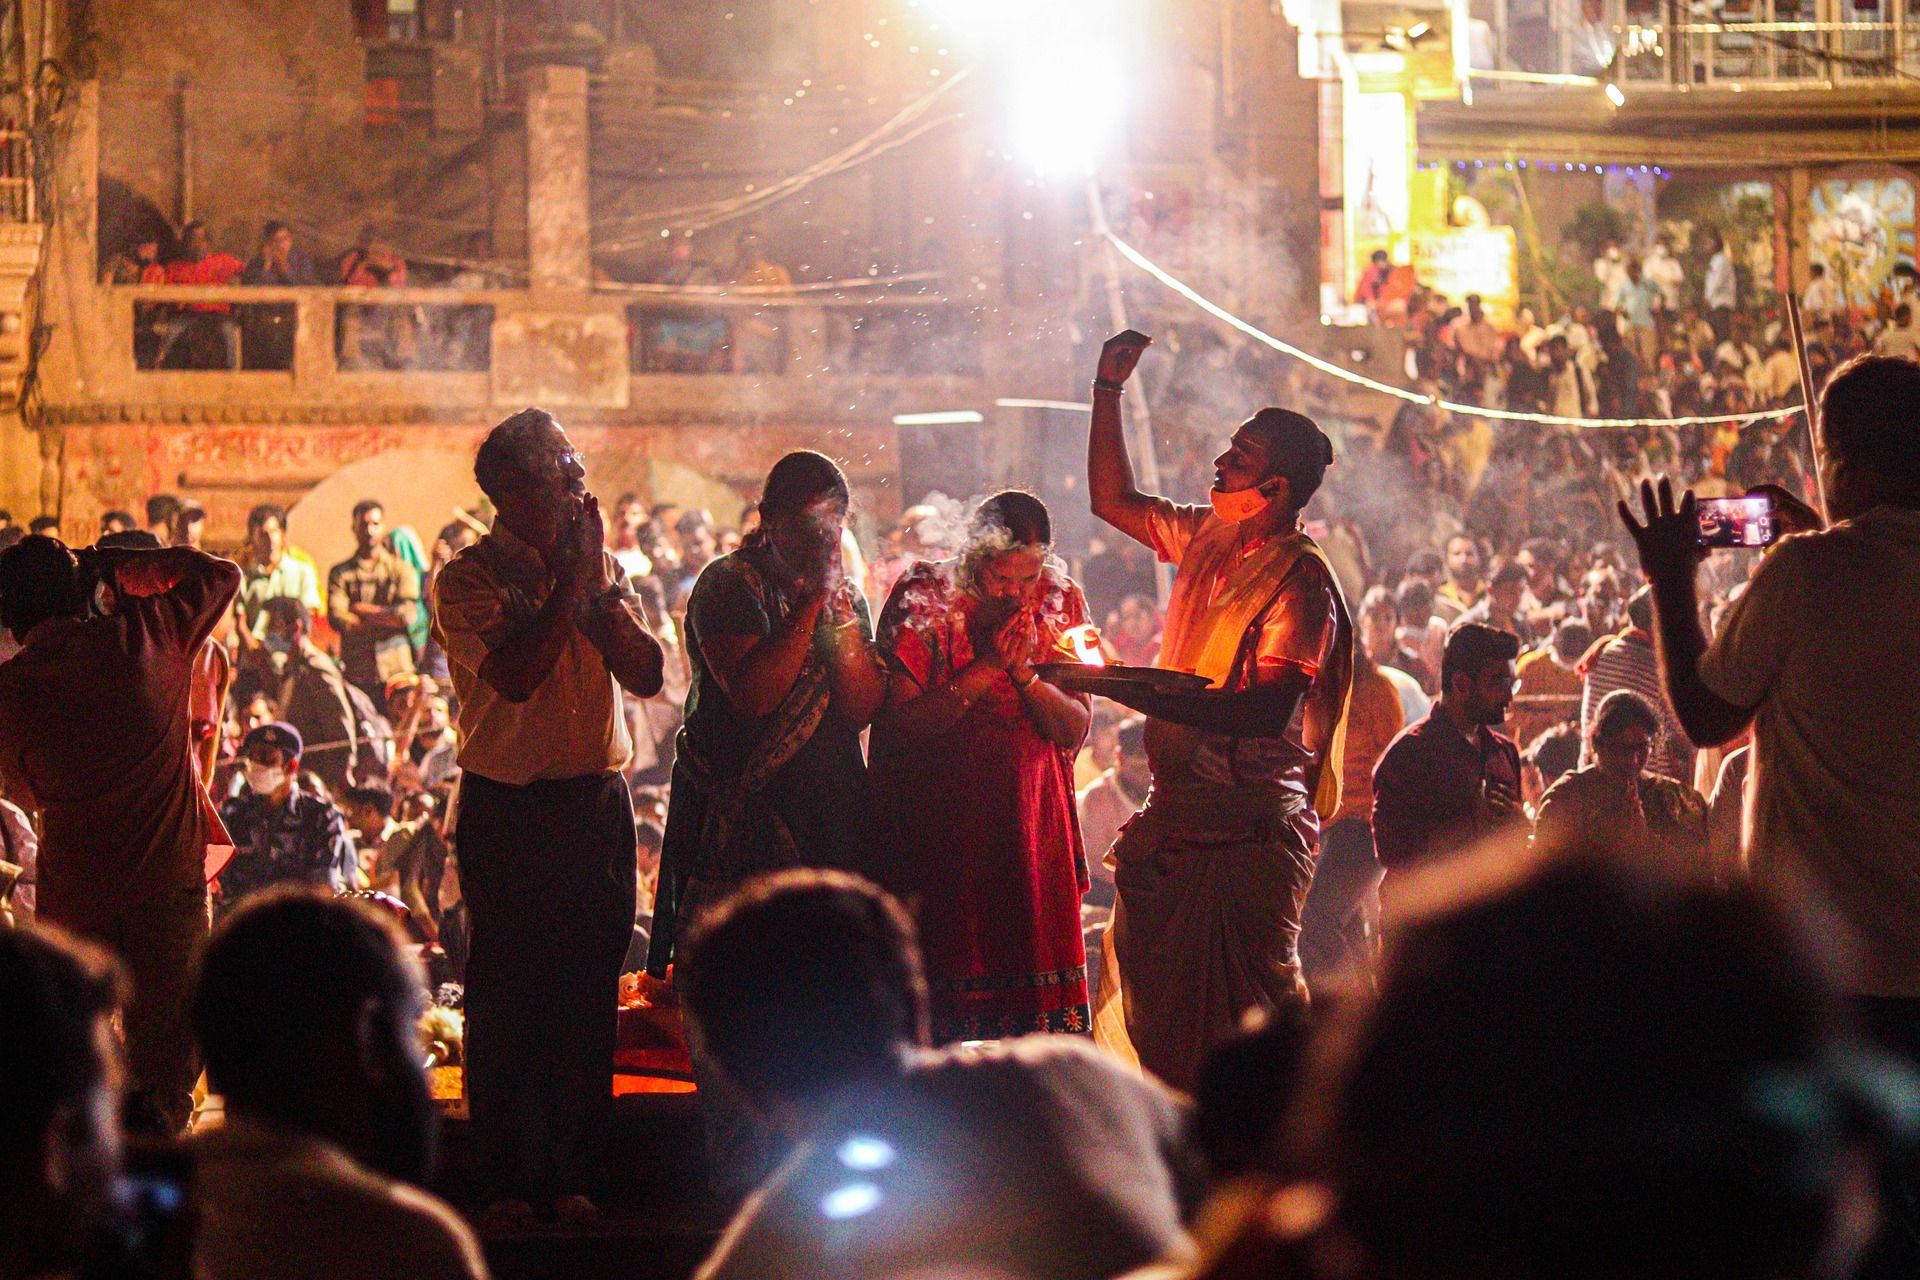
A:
<point x="1213" y="309"/>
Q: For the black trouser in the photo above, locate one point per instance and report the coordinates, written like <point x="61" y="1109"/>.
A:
<point x="548" y="874"/>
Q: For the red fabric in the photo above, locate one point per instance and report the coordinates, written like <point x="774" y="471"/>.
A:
<point x="985" y="844"/>
<point x="215" y="268"/>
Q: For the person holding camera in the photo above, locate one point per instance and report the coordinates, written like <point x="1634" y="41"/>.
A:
<point x="96" y="734"/>
<point x="1816" y="657"/>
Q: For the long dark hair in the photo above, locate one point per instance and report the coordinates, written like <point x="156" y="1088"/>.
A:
<point x="800" y="478"/>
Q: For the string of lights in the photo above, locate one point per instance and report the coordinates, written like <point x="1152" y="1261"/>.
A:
<point x="1218" y="312"/>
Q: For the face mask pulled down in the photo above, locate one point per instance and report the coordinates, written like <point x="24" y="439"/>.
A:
<point x="1241" y="505"/>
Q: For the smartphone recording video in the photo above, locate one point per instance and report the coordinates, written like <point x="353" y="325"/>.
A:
<point x="1736" y="522"/>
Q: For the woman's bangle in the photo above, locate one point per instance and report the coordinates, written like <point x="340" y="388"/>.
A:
<point x="1024" y="685"/>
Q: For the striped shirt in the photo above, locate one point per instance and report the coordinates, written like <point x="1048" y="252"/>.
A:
<point x="1627" y="662"/>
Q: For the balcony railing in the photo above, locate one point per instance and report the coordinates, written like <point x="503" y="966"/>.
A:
<point x="442" y="348"/>
<point x="1771" y="43"/>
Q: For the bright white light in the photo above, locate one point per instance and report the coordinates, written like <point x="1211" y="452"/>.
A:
<point x="850" y="1201"/>
<point x="1064" y="98"/>
<point x="1614" y="95"/>
<point x="863" y="1154"/>
<point x="944" y="418"/>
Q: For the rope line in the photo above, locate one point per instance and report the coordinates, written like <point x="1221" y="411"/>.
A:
<point x="1220" y="313"/>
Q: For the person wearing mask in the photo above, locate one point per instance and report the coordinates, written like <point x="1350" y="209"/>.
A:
<point x="542" y="635"/>
<point x="1615" y="803"/>
<point x="317" y="1169"/>
<point x="60" y="1143"/>
<point x="805" y="989"/>
<point x="373" y="597"/>
<point x="1815" y="658"/>
<point x="282" y="833"/>
<point x="1450" y="781"/>
<point x="973" y="778"/>
<point x="1213" y="874"/>
<point x="96" y="736"/>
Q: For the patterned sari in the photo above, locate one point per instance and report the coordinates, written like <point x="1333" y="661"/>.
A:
<point x="979" y="824"/>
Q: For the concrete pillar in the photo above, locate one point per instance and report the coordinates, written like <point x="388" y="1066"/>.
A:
<point x="1799" y="226"/>
<point x="559" y="213"/>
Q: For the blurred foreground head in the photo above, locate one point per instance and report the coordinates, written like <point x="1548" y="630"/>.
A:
<point x="59" y="1135"/>
<point x="1582" y="1071"/>
<point x="801" y="985"/>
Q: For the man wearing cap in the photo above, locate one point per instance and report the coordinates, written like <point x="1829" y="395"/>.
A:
<point x="282" y="833"/>
<point x="1213" y="874"/>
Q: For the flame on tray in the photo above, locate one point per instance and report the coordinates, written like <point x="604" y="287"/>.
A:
<point x="1083" y="642"/>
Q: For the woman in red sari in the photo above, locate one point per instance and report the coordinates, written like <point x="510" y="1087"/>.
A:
<point x="972" y="778"/>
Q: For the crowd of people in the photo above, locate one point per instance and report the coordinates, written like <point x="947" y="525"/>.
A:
<point x="1477" y="887"/>
<point x="224" y="335"/>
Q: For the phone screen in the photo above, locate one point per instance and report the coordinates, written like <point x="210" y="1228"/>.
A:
<point x="1736" y="522"/>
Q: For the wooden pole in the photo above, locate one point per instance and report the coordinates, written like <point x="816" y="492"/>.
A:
<point x="1810" y="404"/>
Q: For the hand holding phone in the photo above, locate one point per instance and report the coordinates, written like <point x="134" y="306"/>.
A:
<point x="1747" y="522"/>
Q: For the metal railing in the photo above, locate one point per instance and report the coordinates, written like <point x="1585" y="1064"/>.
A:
<point x="1771" y="43"/>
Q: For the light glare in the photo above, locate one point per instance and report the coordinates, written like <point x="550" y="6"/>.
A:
<point x="863" y="1154"/>
<point x="850" y="1201"/>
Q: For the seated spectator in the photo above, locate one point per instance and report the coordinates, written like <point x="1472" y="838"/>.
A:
<point x="1670" y="1094"/>
<point x="1615" y="803"/>
<point x="189" y="526"/>
<point x="282" y="833"/>
<point x="312" y="693"/>
<point x="1037" y="1158"/>
<point x="160" y="509"/>
<point x="1549" y="683"/>
<point x="1626" y="660"/>
<point x="400" y="858"/>
<point x="1450" y="781"/>
<point x="59" y="1132"/>
<point x="43" y="526"/>
<point x="306" y="1009"/>
<point x="267" y="329"/>
<point x="1551" y="756"/>
<point x="117" y="522"/>
<point x="210" y="336"/>
<point x="375" y="336"/>
<point x="1505" y="606"/>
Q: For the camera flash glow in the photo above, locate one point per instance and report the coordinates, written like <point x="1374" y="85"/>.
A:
<point x="863" y="1154"/>
<point x="850" y="1201"/>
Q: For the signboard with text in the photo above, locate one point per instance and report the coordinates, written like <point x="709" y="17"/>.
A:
<point x="1458" y="261"/>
